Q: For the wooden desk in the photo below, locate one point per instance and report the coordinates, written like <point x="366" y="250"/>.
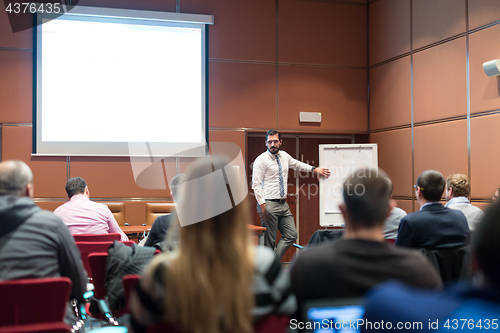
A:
<point x="135" y="229"/>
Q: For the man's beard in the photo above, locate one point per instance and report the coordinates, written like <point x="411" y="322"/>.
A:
<point x="275" y="152"/>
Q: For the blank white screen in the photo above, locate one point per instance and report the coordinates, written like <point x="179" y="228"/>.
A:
<point x="103" y="83"/>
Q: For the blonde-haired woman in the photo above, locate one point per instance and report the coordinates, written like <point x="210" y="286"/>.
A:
<point x="216" y="281"/>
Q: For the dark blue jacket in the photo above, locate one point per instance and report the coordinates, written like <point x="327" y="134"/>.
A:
<point x="434" y="227"/>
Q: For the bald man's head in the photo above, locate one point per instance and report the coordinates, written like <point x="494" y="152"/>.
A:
<point x="16" y="178"/>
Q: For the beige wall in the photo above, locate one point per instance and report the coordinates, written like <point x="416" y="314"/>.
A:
<point x="431" y="105"/>
<point x="268" y="61"/>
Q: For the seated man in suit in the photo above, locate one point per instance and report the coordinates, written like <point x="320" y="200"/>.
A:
<point x="433" y="226"/>
<point x="457" y="194"/>
<point x="350" y="266"/>
<point x="83" y="216"/>
<point x="161" y="225"/>
<point x="463" y="307"/>
<point x="34" y="243"/>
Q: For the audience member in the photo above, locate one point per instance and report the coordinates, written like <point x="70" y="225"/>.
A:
<point x="269" y="177"/>
<point x="392" y="222"/>
<point x="495" y="196"/>
<point x="458" y="308"/>
<point x="350" y="266"/>
<point x="83" y="216"/>
<point x="433" y="226"/>
<point x="216" y="280"/>
<point x="457" y="194"/>
<point x="161" y="225"/>
<point x="34" y="243"/>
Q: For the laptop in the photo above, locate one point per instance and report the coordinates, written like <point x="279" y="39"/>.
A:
<point x="333" y="315"/>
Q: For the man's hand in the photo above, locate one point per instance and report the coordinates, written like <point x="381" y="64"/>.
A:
<point x="263" y="206"/>
<point x="322" y="172"/>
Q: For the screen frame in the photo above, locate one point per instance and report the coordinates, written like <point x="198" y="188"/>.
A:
<point x="121" y="149"/>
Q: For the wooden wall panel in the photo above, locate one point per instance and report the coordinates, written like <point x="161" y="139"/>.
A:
<point x="439" y="78"/>
<point x="156" y="5"/>
<point x="322" y="33"/>
<point x="236" y="137"/>
<point x="49" y="173"/>
<point x="389" y="26"/>
<point x="15" y="86"/>
<point x="184" y="164"/>
<point x="441" y="147"/>
<point x="243" y="30"/>
<point x="49" y="205"/>
<point x="390" y="94"/>
<point x="394" y="157"/>
<point x="21" y="39"/>
<point x="242" y="95"/>
<point x="437" y="20"/>
<point x="484" y="90"/>
<point x="485" y="156"/>
<point x="406" y="205"/>
<point x="482" y="12"/>
<point x="483" y="205"/>
<point x="339" y="94"/>
<point x="112" y="177"/>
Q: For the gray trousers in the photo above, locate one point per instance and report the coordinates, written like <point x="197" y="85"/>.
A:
<point x="278" y="217"/>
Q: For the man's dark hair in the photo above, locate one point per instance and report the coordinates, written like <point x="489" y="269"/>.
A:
<point x="367" y="193"/>
<point x="75" y="186"/>
<point x="273" y="132"/>
<point x="176" y="182"/>
<point x="486" y="244"/>
<point x="431" y="185"/>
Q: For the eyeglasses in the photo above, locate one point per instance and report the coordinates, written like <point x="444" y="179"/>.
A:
<point x="273" y="142"/>
<point x="416" y="187"/>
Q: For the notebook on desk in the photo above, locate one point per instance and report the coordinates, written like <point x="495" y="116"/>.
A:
<point x="334" y="315"/>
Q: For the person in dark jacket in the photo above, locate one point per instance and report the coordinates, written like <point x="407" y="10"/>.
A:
<point x="433" y="226"/>
<point x="34" y="243"/>
<point x="466" y="306"/>
<point x="162" y="223"/>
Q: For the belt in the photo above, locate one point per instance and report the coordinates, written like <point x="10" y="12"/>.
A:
<point x="277" y="200"/>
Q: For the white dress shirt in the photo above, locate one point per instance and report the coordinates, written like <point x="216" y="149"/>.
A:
<point x="265" y="174"/>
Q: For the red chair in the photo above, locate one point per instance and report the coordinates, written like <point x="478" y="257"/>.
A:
<point x="97" y="262"/>
<point x="97" y="237"/>
<point x="24" y="304"/>
<point x="90" y="247"/>
<point x="129" y="284"/>
<point x="37" y="328"/>
<point x="390" y="241"/>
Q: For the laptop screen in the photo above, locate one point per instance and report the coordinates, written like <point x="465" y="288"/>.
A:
<point x="340" y="316"/>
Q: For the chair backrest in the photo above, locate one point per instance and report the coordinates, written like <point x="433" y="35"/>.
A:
<point x="90" y="247"/>
<point x="153" y="210"/>
<point x="97" y="263"/>
<point x="118" y="210"/>
<point x="33" y="301"/>
<point x="52" y="327"/>
<point x="451" y="264"/>
<point x="390" y="241"/>
<point x="129" y="283"/>
<point x="96" y="237"/>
